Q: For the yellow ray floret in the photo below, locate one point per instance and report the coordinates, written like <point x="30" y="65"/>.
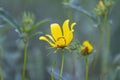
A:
<point x="61" y="37"/>
<point x="86" y="47"/>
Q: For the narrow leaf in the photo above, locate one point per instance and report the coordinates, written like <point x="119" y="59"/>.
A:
<point x="56" y="74"/>
<point x="5" y="16"/>
<point x="81" y="10"/>
<point x="53" y="65"/>
<point x="39" y="24"/>
<point x="35" y="34"/>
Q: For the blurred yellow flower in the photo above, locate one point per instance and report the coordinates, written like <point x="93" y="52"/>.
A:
<point x="86" y="47"/>
<point x="101" y="4"/>
<point x="60" y="37"/>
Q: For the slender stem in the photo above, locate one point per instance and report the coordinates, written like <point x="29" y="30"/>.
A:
<point x="52" y="76"/>
<point x="104" y="25"/>
<point x="73" y="67"/>
<point x="97" y="53"/>
<point x="1" y="74"/>
<point x="25" y="60"/>
<point x="86" y="60"/>
<point x="62" y="65"/>
<point x="108" y="39"/>
<point x="105" y="55"/>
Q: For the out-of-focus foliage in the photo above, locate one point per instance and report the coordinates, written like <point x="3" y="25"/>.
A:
<point x="38" y="63"/>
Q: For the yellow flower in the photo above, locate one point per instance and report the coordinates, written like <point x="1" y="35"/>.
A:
<point x="101" y="4"/>
<point x="101" y="8"/>
<point x="86" y="47"/>
<point x="60" y="37"/>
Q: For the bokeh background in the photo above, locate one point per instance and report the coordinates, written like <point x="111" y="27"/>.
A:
<point x="38" y="63"/>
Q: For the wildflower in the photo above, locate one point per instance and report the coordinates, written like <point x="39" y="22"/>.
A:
<point x="60" y="37"/>
<point x="28" y="18"/>
<point x="101" y="4"/>
<point x="101" y="8"/>
<point x="86" y="48"/>
<point x="27" y="22"/>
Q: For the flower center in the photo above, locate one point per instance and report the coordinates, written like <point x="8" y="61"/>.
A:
<point x="85" y="50"/>
<point x="60" y="42"/>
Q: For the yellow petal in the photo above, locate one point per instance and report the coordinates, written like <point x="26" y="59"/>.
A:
<point x="50" y="37"/>
<point x="56" y="31"/>
<point x="45" y="39"/>
<point x="69" y="38"/>
<point x="88" y="45"/>
<point x="72" y="26"/>
<point x="66" y="28"/>
<point x="68" y="33"/>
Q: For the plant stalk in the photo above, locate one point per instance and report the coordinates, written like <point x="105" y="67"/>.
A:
<point x="87" y="63"/>
<point x="97" y="53"/>
<point x="52" y="76"/>
<point x="1" y="74"/>
<point x="62" y="65"/>
<point x="105" y="55"/>
<point x="25" y="60"/>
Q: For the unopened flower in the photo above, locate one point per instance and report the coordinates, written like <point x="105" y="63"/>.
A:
<point x="28" y="18"/>
<point x="100" y="9"/>
<point x="101" y="4"/>
<point x="59" y="38"/>
<point x="86" y="48"/>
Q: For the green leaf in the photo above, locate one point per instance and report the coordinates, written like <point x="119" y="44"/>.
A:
<point x="35" y="34"/>
<point x="53" y="65"/>
<point x="5" y="16"/>
<point x="81" y="10"/>
<point x="3" y="30"/>
<point x="39" y="24"/>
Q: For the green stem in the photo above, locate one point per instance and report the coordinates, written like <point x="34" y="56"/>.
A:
<point x="86" y="60"/>
<point x="97" y="53"/>
<point x="25" y="60"/>
<point x="73" y="67"/>
<point x="62" y="65"/>
<point x="52" y="77"/>
<point x="1" y="74"/>
<point x="105" y="55"/>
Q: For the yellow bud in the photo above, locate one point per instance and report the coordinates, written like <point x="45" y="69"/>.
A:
<point x="86" y="48"/>
<point x="100" y="4"/>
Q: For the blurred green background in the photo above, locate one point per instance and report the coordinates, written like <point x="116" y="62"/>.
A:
<point x="38" y="63"/>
